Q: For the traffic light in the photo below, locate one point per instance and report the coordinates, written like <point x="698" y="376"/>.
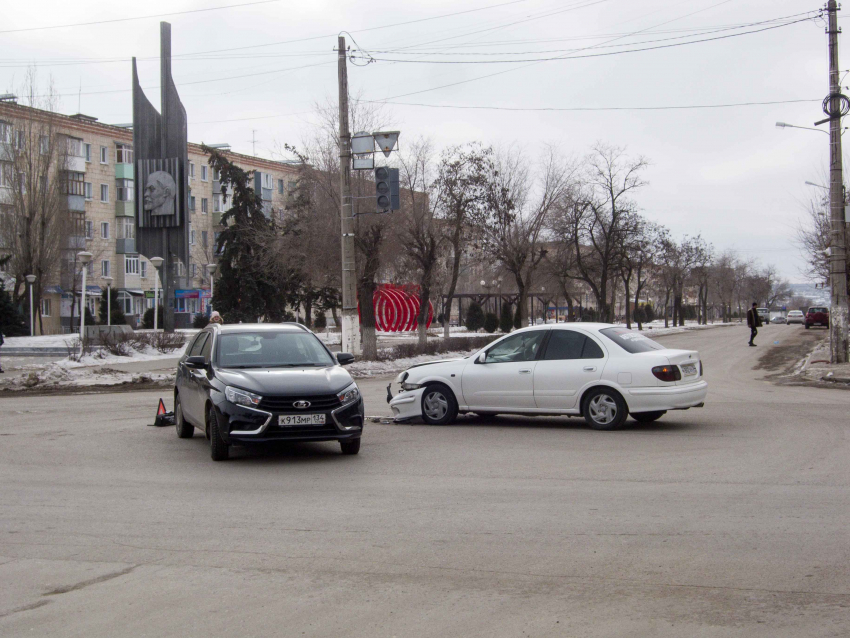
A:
<point x="386" y="189"/>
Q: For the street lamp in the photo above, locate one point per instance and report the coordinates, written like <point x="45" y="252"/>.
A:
<point x="157" y="262"/>
<point x="544" y="304"/>
<point x="211" y="268"/>
<point x="85" y="258"/>
<point x="486" y="287"/>
<point x="108" y="281"/>
<point x="30" y="281"/>
<point x="499" y="284"/>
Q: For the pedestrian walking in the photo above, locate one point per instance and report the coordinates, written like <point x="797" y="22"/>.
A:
<point x="754" y="322"/>
<point x="216" y="318"/>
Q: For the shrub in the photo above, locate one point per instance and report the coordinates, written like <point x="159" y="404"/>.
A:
<point x="200" y="321"/>
<point x="147" y="318"/>
<point x="320" y="322"/>
<point x="474" y="317"/>
<point x="491" y="322"/>
<point x="117" y="313"/>
<point x="12" y="321"/>
<point x="506" y="319"/>
<point x="120" y="344"/>
<point x="165" y="341"/>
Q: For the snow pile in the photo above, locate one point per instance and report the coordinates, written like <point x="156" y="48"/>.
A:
<point x="53" y="376"/>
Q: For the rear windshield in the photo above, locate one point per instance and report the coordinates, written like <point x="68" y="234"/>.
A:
<point x="818" y="309"/>
<point x="629" y="341"/>
<point x="267" y="349"/>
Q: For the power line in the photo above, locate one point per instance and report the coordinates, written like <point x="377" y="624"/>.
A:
<point x="591" y="108"/>
<point x="157" y="15"/>
<point x="591" y="55"/>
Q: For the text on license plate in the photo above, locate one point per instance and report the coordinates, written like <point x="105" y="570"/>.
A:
<point x="301" y="419"/>
<point x="689" y="368"/>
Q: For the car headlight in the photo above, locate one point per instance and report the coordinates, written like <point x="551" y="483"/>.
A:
<point x="349" y="395"/>
<point x="410" y="386"/>
<point x="242" y="397"/>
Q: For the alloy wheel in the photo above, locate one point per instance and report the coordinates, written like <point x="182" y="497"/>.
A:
<point x="435" y="405"/>
<point x="603" y="409"/>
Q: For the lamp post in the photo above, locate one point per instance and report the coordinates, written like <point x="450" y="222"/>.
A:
<point x="211" y="268"/>
<point x="544" y="304"/>
<point x="108" y="281"/>
<point x="499" y="284"/>
<point x="30" y="281"/>
<point x="157" y="262"/>
<point x="85" y="258"/>
<point x="486" y="287"/>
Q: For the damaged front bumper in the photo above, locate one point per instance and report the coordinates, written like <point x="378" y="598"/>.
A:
<point x="405" y="405"/>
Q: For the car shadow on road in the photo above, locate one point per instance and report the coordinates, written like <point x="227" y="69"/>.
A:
<point x="290" y="452"/>
<point x="567" y="423"/>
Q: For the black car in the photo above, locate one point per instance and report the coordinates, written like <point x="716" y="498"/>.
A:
<point x="256" y="383"/>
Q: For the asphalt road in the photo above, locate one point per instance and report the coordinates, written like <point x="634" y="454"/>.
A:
<point x="727" y="521"/>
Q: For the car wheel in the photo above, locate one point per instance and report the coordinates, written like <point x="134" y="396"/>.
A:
<point x="439" y="406"/>
<point x="185" y="430"/>
<point x="219" y="450"/>
<point x="648" y="417"/>
<point x="351" y="446"/>
<point x="604" y="409"/>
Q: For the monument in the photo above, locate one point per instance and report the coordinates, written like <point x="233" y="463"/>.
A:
<point x="160" y="142"/>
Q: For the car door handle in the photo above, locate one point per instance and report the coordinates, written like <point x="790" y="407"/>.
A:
<point x="525" y="371"/>
<point x="589" y="368"/>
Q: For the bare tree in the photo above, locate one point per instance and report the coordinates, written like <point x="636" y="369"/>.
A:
<point x="639" y="252"/>
<point x="813" y="239"/>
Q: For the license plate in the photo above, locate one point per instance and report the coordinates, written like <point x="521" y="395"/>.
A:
<point x="689" y="368"/>
<point x="301" y="419"/>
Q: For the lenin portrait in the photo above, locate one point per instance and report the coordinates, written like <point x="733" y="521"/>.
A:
<point x="160" y="193"/>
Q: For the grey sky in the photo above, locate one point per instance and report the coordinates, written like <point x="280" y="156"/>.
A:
<point x="727" y="173"/>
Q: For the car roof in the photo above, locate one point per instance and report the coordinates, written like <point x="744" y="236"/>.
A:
<point x="584" y="325"/>
<point x="261" y="327"/>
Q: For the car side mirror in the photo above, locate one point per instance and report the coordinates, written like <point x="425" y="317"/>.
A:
<point x="481" y="358"/>
<point x="344" y="358"/>
<point x="196" y="362"/>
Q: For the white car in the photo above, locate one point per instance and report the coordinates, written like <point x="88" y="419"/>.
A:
<point x="598" y="371"/>
<point x="796" y="316"/>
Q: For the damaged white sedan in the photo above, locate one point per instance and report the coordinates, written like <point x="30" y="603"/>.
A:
<point x="599" y="371"/>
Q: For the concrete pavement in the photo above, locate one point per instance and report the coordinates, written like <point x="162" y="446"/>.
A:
<point x="726" y="521"/>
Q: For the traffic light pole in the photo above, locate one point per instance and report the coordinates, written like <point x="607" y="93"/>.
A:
<point x="350" y="317"/>
<point x="837" y="254"/>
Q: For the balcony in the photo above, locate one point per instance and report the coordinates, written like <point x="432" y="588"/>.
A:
<point x="123" y="171"/>
<point x="76" y="164"/>
<point x="125" y="209"/>
<point x="6" y="195"/>
<point x="77" y="203"/>
<point x="216" y="219"/>
<point x="76" y="242"/>
<point x="125" y="246"/>
<point x="267" y="194"/>
<point x="216" y="187"/>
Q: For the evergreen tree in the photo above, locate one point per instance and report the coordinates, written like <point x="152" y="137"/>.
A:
<point x="12" y="321"/>
<point x="491" y="322"/>
<point x="474" y="317"/>
<point x="506" y="319"/>
<point x="253" y="283"/>
<point x="147" y="318"/>
<point x="118" y="317"/>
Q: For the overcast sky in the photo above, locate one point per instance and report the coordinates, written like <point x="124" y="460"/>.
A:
<point x="727" y="173"/>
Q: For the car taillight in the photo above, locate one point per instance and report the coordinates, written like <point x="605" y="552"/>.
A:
<point x="667" y="373"/>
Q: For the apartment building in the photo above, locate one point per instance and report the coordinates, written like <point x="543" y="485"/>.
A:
<point x="98" y="177"/>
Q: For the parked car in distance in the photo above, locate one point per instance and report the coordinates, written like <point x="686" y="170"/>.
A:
<point x="778" y="319"/>
<point x="764" y="313"/>
<point x="795" y="316"/>
<point x="246" y="384"/>
<point x="599" y="371"/>
<point x="817" y="316"/>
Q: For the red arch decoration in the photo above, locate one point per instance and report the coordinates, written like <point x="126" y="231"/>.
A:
<point x="397" y="308"/>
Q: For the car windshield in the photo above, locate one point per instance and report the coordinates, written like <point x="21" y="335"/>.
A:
<point x="629" y="341"/>
<point x="271" y="349"/>
<point x="813" y="310"/>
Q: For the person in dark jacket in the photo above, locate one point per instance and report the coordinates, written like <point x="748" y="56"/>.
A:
<point x="754" y="322"/>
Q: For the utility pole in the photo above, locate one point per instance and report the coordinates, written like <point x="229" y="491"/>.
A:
<point x="350" y="317"/>
<point x="837" y="254"/>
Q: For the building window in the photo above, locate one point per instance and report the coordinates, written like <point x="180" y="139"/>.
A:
<point x="123" y="154"/>
<point x="45" y="307"/>
<point x="191" y="235"/>
<point x="5" y="175"/>
<point x="104" y="268"/>
<point x="104" y="192"/>
<point x="280" y="187"/>
<point x="5" y="133"/>
<point x="192" y="203"/>
<point x="104" y="155"/>
<point x="126" y="228"/>
<point x="89" y="229"/>
<point x="125" y="189"/>
<point x="104" y="230"/>
<point x="181" y="269"/>
<point x="87" y="149"/>
<point x="20" y="140"/>
<point x="44" y="144"/>
<point x="267" y="180"/>
<point x="88" y="191"/>
<point x="204" y="207"/>
<point x="216" y="203"/>
<point x="194" y="270"/>
<point x="204" y="173"/>
<point x="204" y="238"/>
<point x="90" y="270"/>
<point x="74" y="184"/>
<point x="191" y="170"/>
<point x="131" y="265"/>
<point x="216" y="175"/>
<point x="143" y="269"/>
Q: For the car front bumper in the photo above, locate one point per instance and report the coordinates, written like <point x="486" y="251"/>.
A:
<point x="677" y="397"/>
<point x="407" y="405"/>
<point x="244" y="425"/>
